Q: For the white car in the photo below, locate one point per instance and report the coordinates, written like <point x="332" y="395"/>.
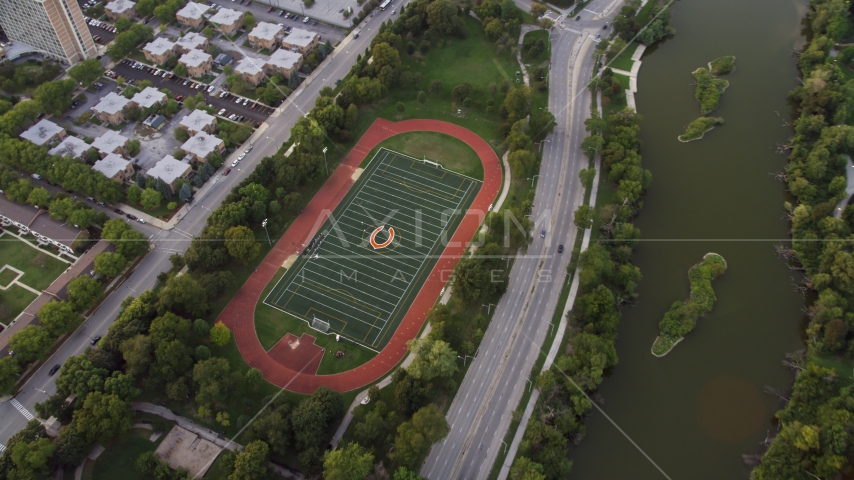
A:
<point x="165" y="74"/>
<point x="306" y="20"/>
<point x="234" y="163"/>
<point x="238" y="100"/>
<point x="221" y="112"/>
<point x="241" y="156"/>
<point x="140" y="220"/>
<point x="211" y="89"/>
<point x="246" y="102"/>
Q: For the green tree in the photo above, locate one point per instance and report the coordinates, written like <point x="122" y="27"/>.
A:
<point x="103" y="416"/>
<point x="84" y="293"/>
<point x="9" y="371"/>
<point x="524" y="469"/>
<point x="80" y="377"/>
<point x="150" y="199"/>
<point x="137" y="354"/>
<point x="422" y="98"/>
<point x="482" y="275"/>
<point x="181" y="71"/>
<point x="241" y="244"/>
<point x="213" y="380"/>
<point x="55" y="97"/>
<point x="56" y="316"/>
<point x="249" y="21"/>
<point x="109" y="264"/>
<point x="348" y="463"/>
<point x="251" y="463"/>
<point x="89" y="70"/>
<point x="435" y="87"/>
<point x="414" y="437"/>
<point x="29" y="343"/>
<point x="442" y="18"/>
<point x="400" y="107"/>
<point x="434" y="358"/>
<point x="584" y="217"/>
<point x="133" y="147"/>
<point x="83" y="217"/>
<point x="201" y="328"/>
<point x="220" y="334"/>
<point x="183" y="294"/>
<point x="31" y="459"/>
<point x="134" y="194"/>
<point x="39" y="197"/>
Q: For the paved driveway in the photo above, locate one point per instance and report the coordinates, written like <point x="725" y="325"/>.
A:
<point x="258" y="114"/>
<point x="92" y="97"/>
<point x="326" y="11"/>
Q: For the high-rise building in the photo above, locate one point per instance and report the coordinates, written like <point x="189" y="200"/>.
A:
<point x="55" y="27"/>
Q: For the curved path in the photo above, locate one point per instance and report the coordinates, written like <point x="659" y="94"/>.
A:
<point x="239" y="315"/>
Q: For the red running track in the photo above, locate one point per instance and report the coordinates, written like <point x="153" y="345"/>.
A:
<point x="239" y="315"/>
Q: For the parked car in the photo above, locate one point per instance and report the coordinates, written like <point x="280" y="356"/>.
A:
<point x="234" y="163"/>
<point x="95" y="340"/>
<point x="140" y="220"/>
<point x="179" y="98"/>
<point x="246" y="102"/>
<point x="306" y="20"/>
<point x="53" y="370"/>
<point x="119" y="211"/>
<point x="226" y="172"/>
<point x="185" y="83"/>
<point x="130" y="216"/>
<point x="90" y="199"/>
<point x="211" y="89"/>
<point x="281" y="13"/>
<point x="221" y="112"/>
<point x="101" y="204"/>
<point x="269" y="9"/>
<point x="238" y="100"/>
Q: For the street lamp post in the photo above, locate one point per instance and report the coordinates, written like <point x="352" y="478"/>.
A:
<point x="324" y="160"/>
<point x="264" y="224"/>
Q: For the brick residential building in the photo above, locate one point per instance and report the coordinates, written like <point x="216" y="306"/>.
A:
<point x="191" y="41"/>
<point x="169" y="170"/>
<point x="111" y="109"/>
<point x="264" y="35"/>
<point x="148" y="98"/>
<point x="44" y="133"/>
<point x="115" y="168"/>
<point x="70" y="147"/>
<point x="283" y="61"/>
<point x="251" y="70"/>
<point x="159" y="51"/>
<point x="198" y="121"/>
<point x="301" y="41"/>
<point x="56" y="27"/>
<point x="227" y="21"/>
<point x="111" y="142"/>
<point x="202" y="145"/>
<point x="198" y="63"/>
<point x="120" y="9"/>
<point x="192" y="15"/>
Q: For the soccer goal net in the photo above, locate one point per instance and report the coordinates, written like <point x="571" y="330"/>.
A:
<point x="319" y="325"/>
<point x="431" y="163"/>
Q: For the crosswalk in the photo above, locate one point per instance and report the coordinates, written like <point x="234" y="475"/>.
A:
<point x="2" y="448"/>
<point x="26" y="413"/>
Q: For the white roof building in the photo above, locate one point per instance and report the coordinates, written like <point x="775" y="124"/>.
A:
<point x="169" y="169"/>
<point x="226" y="16"/>
<point x="197" y="120"/>
<point x="194" y="58"/>
<point x="41" y="132"/>
<point x="111" y="104"/>
<point x="159" y="46"/>
<point x="284" y="59"/>
<point x="119" y="6"/>
<point x="249" y="66"/>
<point x="266" y="31"/>
<point x="300" y="37"/>
<point x="201" y="144"/>
<point x="193" y="10"/>
<point x="109" y="141"/>
<point x="148" y="97"/>
<point x="111" y="165"/>
<point x="192" y="41"/>
<point x="70" y="147"/>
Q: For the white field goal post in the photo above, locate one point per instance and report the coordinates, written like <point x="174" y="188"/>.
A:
<point x="319" y="325"/>
<point x="432" y="163"/>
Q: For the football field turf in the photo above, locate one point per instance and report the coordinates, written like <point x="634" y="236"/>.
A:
<point x="368" y="261"/>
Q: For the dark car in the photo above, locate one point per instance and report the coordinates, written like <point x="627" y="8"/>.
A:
<point x="281" y="13"/>
<point x="543" y="233"/>
<point x="226" y="172"/>
<point x="95" y="340"/>
<point x="578" y="18"/>
<point x="132" y="217"/>
<point x="605" y="27"/>
<point x="119" y="211"/>
<point x="53" y="370"/>
<point x="560" y="249"/>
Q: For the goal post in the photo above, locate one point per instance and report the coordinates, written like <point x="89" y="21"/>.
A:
<point x="319" y="325"/>
<point x="432" y="163"/>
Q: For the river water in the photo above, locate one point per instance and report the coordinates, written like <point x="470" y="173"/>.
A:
<point x="697" y="410"/>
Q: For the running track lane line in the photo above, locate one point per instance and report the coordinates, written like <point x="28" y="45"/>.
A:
<point x="239" y="314"/>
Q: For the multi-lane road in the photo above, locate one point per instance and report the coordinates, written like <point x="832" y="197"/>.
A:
<point x="14" y="415"/>
<point x="482" y="409"/>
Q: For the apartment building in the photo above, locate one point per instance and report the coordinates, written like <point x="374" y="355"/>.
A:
<point x="283" y="61"/>
<point x="70" y="147"/>
<point x="159" y="50"/>
<point x="192" y="15"/>
<point x="120" y="9"/>
<point x="202" y="145"/>
<point x="264" y="35"/>
<point x="169" y="170"/>
<point x="198" y="121"/>
<point x="251" y="70"/>
<point x="198" y="63"/>
<point x="56" y="27"/>
<point x="111" y="142"/>
<point x="227" y="21"/>
<point x="301" y="41"/>
<point x="111" y="109"/>
<point x="191" y="41"/>
<point x="115" y="168"/>
<point x="44" y="133"/>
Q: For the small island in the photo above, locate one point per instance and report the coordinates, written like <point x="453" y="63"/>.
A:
<point x="709" y="90"/>
<point x="682" y="316"/>
<point x="699" y="127"/>
<point x="722" y="65"/>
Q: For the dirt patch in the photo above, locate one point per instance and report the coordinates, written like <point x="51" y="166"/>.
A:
<point x="298" y="354"/>
<point x="184" y="449"/>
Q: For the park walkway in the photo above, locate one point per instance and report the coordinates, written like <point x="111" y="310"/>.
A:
<point x="239" y="314"/>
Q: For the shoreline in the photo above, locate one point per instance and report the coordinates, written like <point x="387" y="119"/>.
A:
<point x="712" y="127"/>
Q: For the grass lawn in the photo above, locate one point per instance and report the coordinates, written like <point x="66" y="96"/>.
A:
<point x="530" y="38"/>
<point x="643" y="15"/>
<point x="624" y="60"/>
<point x="6" y="277"/>
<point x="119" y="458"/>
<point x="118" y="127"/>
<point x="13" y="301"/>
<point x="450" y="152"/>
<point x="844" y="368"/>
<point x="40" y="269"/>
<point x="271" y="325"/>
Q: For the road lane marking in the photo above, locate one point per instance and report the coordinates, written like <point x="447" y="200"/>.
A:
<point x="26" y="413"/>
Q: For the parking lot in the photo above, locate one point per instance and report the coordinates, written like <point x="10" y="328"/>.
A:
<point x="258" y="114"/>
<point x="106" y="36"/>
<point x="328" y="12"/>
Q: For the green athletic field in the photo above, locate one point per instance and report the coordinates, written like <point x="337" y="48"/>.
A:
<point x="363" y="292"/>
